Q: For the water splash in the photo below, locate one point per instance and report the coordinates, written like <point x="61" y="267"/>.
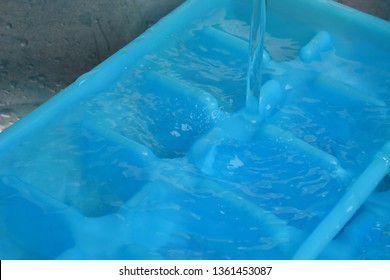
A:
<point x="255" y="55"/>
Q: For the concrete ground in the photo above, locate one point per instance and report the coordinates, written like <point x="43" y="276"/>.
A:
<point x="46" y="44"/>
<point x="379" y="8"/>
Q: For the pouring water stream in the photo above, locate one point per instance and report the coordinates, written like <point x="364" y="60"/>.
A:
<point x="255" y="57"/>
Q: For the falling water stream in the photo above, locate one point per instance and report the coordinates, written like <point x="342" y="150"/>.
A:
<point x="255" y="55"/>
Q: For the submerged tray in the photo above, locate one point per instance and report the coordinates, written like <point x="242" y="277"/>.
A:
<point x="150" y="156"/>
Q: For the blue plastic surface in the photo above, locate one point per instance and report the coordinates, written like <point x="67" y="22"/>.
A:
<point x="150" y="156"/>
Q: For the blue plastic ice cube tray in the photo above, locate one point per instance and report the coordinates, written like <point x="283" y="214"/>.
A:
<point x="151" y="155"/>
